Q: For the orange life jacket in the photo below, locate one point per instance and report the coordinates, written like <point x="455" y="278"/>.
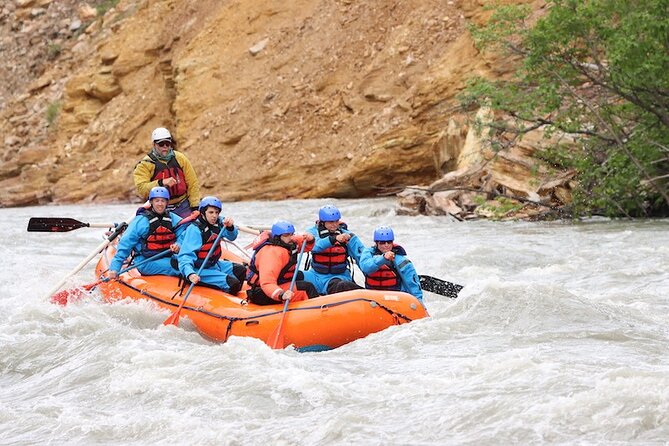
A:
<point x="161" y="233"/>
<point x="209" y="236"/>
<point x="386" y="277"/>
<point x="332" y="260"/>
<point x="286" y="273"/>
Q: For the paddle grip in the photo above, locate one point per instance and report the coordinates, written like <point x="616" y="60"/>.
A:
<point x="121" y="227"/>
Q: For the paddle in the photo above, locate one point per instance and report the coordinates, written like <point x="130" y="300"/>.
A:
<point x="62" y="297"/>
<point x="56" y="224"/>
<point x="173" y="319"/>
<point x="250" y="229"/>
<point x="119" y="229"/>
<point x="276" y="340"/>
<point x="242" y="250"/>
<point x="438" y="286"/>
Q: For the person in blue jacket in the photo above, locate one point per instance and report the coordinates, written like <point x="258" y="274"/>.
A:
<point x="152" y="231"/>
<point x="196" y="242"/>
<point x="386" y="266"/>
<point x="329" y="268"/>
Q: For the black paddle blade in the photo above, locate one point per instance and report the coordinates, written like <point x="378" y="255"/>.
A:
<point x="54" y="224"/>
<point x="438" y="286"/>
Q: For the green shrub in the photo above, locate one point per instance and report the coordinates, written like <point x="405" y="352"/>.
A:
<point x="54" y="50"/>
<point x="104" y="6"/>
<point x="595" y="70"/>
<point x="500" y="207"/>
<point x="52" y="111"/>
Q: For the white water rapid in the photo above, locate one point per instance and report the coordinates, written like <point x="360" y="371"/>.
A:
<point x="560" y="337"/>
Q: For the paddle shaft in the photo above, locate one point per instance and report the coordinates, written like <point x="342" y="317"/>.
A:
<point x="84" y="262"/>
<point x="99" y="225"/>
<point x="276" y="341"/>
<point x="174" y="317"/>
<point x="63" y="297"/>
<point x="248" y="230"/>
<point x="130" y="267"/>
<point x="242" y="250"/>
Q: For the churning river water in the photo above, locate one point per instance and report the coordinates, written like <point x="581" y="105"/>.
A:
<point x="560" y="336"/>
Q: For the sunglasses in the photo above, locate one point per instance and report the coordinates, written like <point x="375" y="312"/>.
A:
<point x="164" y="143"/>
<point x="385" y="243"/>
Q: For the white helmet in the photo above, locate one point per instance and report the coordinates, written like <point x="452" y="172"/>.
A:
<point x="160" y="133"/>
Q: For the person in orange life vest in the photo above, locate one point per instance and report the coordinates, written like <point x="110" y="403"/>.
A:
<point x="273" y="264"/>
<point x="196" y="241"/>
<point x="386" y="266"/>
<point x="329" y="269"/>
<point x="153" y="231"/>
<point x="166" y="167"/>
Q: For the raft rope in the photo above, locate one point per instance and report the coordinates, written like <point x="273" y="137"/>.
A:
<point x="394" y="314"/>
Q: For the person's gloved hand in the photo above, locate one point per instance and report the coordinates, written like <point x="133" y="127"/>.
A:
<point x="229" y="223"/>
<point x="287" y="295"/>
<point x="343" y="238"/>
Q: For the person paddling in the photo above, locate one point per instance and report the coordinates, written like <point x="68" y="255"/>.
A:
<point x="196" y="242"/>
<point x="153" y="231"/>
<point x="166" y="167"/>
<point x="386" y="266"/>
<point x="274" y="263"/>
<point x="335" y="245"/>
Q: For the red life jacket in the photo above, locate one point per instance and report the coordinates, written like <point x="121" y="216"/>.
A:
<point x="161" y="233"/>
<point x="209" y="236"/>
<point x="172" y="169"/>
<point x="332" y="260"/>
<point x="386" y="277"/>
<point x="286" y="273"/>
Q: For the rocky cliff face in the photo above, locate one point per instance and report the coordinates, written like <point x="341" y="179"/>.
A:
<point x="269" y="100"/>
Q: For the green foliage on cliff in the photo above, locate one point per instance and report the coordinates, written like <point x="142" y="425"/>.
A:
<point x="105" y="5"/>
<point x="52" y="111"/>
<point x="595" y="73"/>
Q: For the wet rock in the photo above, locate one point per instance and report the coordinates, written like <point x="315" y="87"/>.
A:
<point x="15" y="199"/>
<point x="507" y="185"/>
<point x="411" y="202"/>
<point x="443" y="203"/>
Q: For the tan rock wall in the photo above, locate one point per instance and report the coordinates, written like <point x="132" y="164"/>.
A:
<point x="269" y="99"/>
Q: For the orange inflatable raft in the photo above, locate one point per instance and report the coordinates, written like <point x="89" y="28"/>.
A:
<point x="322" y="323"/>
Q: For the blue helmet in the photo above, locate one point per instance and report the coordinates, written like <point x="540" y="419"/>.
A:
<point x="329" y="212"/>
<point x="384" y="234"/>
<point x="210" y="201"/>
<point x="281" y="227"/>
<point x="159" y="192"/>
